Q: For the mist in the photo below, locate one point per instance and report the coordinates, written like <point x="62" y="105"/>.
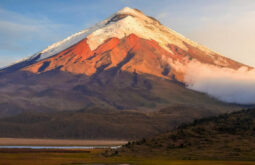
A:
<point x="228" y="85"/>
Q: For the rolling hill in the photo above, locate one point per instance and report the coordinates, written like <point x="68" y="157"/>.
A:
<point x="226" y="137"/>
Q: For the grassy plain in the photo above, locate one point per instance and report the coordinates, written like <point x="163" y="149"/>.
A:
<point x="84" y="157"/>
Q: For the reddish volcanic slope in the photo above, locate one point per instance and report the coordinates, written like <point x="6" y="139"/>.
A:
<point x="131" y="54"/>
<point x="129" y="40"/>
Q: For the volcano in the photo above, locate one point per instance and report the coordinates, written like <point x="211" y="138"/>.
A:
<point x="128" y="62"/>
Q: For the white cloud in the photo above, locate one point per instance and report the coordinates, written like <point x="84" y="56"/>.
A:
<point x="228" y="85"/>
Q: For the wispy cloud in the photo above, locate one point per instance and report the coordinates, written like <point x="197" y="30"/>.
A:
<point x="18" y="33"/>
<point x="228" y="85"/>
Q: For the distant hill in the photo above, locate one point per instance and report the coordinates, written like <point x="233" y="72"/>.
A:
<point x="97" y="123"/>
<point x="227" y="137"/>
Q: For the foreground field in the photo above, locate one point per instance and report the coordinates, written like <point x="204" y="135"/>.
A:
<point x="59" y="142"/>
<point x="81" y="157"/>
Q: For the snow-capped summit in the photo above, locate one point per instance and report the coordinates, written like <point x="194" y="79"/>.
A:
<point x="124" y="22"/>
<point x="128" y="27"/>
<point x="132" y="12"/>
<point x="120" y="24"/>
<point x="94" y="30"/>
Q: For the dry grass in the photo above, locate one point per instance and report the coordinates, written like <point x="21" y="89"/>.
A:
<point x="95" y="157"/>
<point x="226" y="137"/>
<point x="59" y="142"/>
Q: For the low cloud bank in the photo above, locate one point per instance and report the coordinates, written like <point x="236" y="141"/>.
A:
<point x="228" y="85"/>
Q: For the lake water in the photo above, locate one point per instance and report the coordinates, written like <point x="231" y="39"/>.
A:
<point x="59" y="147"/>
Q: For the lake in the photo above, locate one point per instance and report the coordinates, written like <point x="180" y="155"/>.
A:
<point x="58" y="147"/>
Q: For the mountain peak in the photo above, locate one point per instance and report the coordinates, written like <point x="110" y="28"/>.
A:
<point x="175" y="50"/>
<point x="131" y="11"/>
<point x="136" y="13"/>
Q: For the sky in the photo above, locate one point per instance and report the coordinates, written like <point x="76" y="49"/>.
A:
<point x="225" y="26"/>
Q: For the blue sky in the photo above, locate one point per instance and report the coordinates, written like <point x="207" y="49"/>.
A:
<point x="28" y="26"/>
